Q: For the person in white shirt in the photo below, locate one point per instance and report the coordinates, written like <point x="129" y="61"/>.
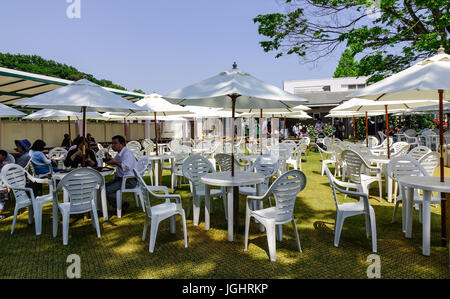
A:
<point x="296" y="130"/>
<point x="124" y="162"/>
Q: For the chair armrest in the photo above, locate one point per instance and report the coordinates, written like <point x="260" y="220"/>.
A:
<point x="166" y="196"/>
<point x="158" y="188"/>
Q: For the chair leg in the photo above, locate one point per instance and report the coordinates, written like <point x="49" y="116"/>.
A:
<point x="95" y="221"/>
<point x="136" y="199"/>
<point x="38" y="219"/>
<point x="119" y="203"/>
<point x="323" y="168"/>
<point x="196" y="210"/>
<point x="271" y="241"/>
<point x="247" y="228"/>
<point x="66" y="219"/>
<point x="338" y="228"/>
<point x="395" y="211"/>
<point x="153" y="233"/>
<point x="279" y="229"/>
<point x="294" y="226"/>
<point x="16" y="211"/>
<point x="172" y="225"/>
<point x="144" y="234"/>
<point x="225" y="202"/>
<point x="183" y="219"/>
<point x="373" y="226"/>
<point x="380" y="189"/>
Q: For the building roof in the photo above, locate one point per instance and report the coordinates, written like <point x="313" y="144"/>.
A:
<point x="326" y="98"/>
<point x="16" y="85"/>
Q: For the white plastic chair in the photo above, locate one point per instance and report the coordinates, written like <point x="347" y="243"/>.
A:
<point x="14" y="177"/>
<point x="349" y="209"/>
<point x="282" y="153"/>
<point x="295" y="158"/>
<point x="354" y="164"/>
<point x="407" y="166"/>
<point x="193" y="169"/>
<point x="326" y="157"/>
<point x="158" y="213"/>
<point x="411" y="139"/>
<point x="419" y="151"/>
<point x="148" y="145"/>
<point x="284" y="190"/>
<point x="136" y="148"/>
<point x="82" y="186"/>
<point x="177" y="171"/>
<point x="58" y="152"/>
<point x="400" y="149"/>
<point x="141" y="167"/>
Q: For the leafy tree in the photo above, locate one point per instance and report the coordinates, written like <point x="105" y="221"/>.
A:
<point x="139" y="91"/>
<point x="38" y="65"/>
<point x="347" y="66"/>
<point x="400" y="33"/>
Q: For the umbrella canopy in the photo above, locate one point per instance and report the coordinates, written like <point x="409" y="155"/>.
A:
<point x="363" y="105"/>
<point x="251" y="93"/>
<point x="51" y="114"/>
<point x="418" y="82"/>
<point x="431" y="109"/>
<point x="6" y="111"/>
<point x="154" y="103"/>
<point x="277" y="114"/>
<point x="80" y="94"/>
<point x="350" y="114"/>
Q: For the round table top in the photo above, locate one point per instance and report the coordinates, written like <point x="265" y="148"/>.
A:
<point x="160" y="157"/>
<point x="251" y="158"/>
<point x="429" y="183"/>
<point x="224" y="179"/>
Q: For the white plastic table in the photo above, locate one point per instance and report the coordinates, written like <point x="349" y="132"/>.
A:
<point x="249" y="158"/>
<point x="232" y="184"/>
<point x="159" y="159"/>
<point x="60" y="175"/>
<point x="428" y="184"/>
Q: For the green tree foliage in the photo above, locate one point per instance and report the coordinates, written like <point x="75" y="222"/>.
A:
<point x="38" y="65"/>
<point x="347" y="66"/>
<point x="139" y="91"/>
<point x="400" y="34"/>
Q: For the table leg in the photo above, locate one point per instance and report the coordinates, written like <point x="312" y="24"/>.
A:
<point x="55" y="217"/>
<point x="426" y="227"/>
<point x="157" y="173"/>
<point x="230" y="213"/>
<point x="260" y="204"/>
<point x="236" y="208"/>
<point x="389" y="186"/>
<point x="104" y="203"/>
<point x="409" y="206"/>
<point x="207" y="206"/>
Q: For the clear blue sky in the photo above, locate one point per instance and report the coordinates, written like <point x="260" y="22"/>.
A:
<point x="157" y="45"/>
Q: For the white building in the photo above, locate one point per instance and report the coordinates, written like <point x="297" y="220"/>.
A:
<point x="327" y="85"/>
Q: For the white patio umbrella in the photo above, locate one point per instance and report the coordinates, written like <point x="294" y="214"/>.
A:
<point x="428" y="79"/>
<point x="52" y="114"/>
<point x="235" y="90"/>
<point x="364" y="105"/>
<point x="80" y="96"/>
<point x="6" y="111"/>
<point x="154" y="105"/>
<point x="430" y="109"/>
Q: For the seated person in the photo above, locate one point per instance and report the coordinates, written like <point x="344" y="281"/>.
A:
<point x="6" y="158"/>
<point x="124" y="162"/>
<point x="75" y="157"/>
<point x="66" y="143"/>
<point x="23" y="147"/>
<point x="90" y="139"/>
<point x="42" y="163"/>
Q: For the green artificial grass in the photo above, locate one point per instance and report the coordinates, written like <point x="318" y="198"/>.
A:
<point x="120" y="252"/>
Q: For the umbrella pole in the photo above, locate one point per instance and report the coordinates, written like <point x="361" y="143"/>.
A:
<point x="284" y="128"/>
<point x="70" y="134"/>
<point x="260" y="131"/>
<point x="367" y="131"/>
<point x="387" y="132"/>
<point x="354" y="129"/>
<point x="156" y="144"/>
<point x="235" y="189"/>
<point x="125" y="128"/>
<point x="444" y="203"/>
<point x="83" y="163"/>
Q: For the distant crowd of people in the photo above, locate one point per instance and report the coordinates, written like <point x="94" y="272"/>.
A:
<point x="81" y="152"/>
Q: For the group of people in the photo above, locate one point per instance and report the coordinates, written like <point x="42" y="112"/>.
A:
<point x="80" y="153"/>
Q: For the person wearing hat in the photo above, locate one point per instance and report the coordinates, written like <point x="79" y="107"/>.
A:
<point x="23" y="147"/>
